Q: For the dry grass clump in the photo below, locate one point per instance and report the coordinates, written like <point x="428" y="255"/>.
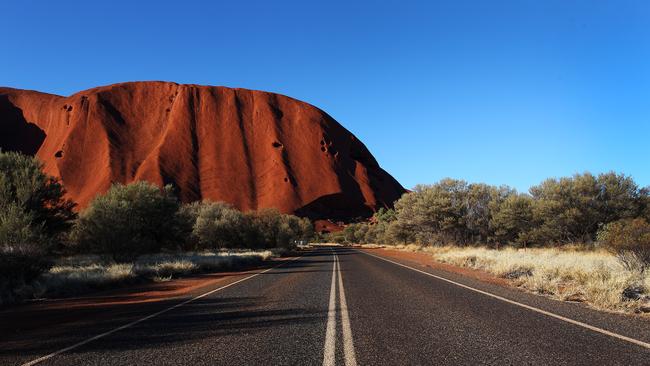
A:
<point x="75" y="275"/>
<point x="593" y="276"/>
<point x="71" y="279"/>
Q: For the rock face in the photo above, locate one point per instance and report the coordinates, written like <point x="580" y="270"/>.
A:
<point x="252" y="149"/>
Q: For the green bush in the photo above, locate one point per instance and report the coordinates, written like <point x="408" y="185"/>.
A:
<point x="572" y="209"/>
<point x="630" y="240"/>
<point x="271" y="229"/>
<point x="511" y="220"/>
<point x="37" y="198"/>
<point x="130" y="220"/>
<point x="20" y="266"/>
<point x="556" y="212"/>
<point x="214" y="225"/>
<point x="34" y="216"/>
<point x="218" y="225"/>
<point x="645" y="203"/>
<point x="17" y="228"/>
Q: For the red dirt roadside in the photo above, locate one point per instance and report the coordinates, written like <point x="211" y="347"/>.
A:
<point x="114" y="303"/>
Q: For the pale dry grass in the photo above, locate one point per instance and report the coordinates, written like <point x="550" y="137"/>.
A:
<point x="593" y="276"/>
<point x="74" y="275"/>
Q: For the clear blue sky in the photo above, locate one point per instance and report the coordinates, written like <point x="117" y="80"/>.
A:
<point x="503" y="92"/>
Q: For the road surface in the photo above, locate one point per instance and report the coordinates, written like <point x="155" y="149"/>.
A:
<point x="338" y="306"/>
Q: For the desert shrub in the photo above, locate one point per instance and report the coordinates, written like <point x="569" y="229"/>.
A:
<point x="572" y="209"/>
<point x="511" y="220"/>
<point x="215" y="225"/>
<point x="33" y="217"/>
<point x="24" y="186"/>
<point x="449" y="211"/>
<point x="129" y="220"/>
<point x="556" y="212"/>
<point x="23" y="252"/>
<point x="375" y="233"/>
<point x="384" y="215"/>
<point x="645" y="203"/>
<point x="353" y="233"/>
<point x="218" y="225"/>
<point x="19" y="266"/>
<point x="272" y="229"/>
<point x="18" y="228"/>
<point x="630" y="240"/>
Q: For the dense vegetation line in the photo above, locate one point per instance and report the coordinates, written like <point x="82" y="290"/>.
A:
<point x="132" y="231"/>
<point x="581" y="238"/>
<point x="607" y="210"/>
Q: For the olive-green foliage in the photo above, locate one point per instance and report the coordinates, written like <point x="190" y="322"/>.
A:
<point x="645" y="203"/>
<point x="23" y="251"/>
<point x="512" y="219"/>
<point x="450" y="211"/>
<point x="19" y="266"/>
<point x="557" y="211"/>
<point x="18" y="228"/>
<point x="384" y="215"/>
<point x="353" y="233"/>
<point x="375" y="231"/>
<point x="218" y="225"/>
<point x="573" y="209"/>
<point x="32" y="207"/>
<point x="33" y="217"/>
<point x="275" y="230"/>
<point x="215" y="225"/>
<point x="130" y="220"/>
<point x="630" y="240"/>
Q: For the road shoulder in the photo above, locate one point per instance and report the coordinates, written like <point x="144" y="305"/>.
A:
<point x="632" y="326"/>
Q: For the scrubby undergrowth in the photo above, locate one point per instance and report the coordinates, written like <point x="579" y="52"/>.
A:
<point x="595" y="277"/>
<point x="80" y="274"/>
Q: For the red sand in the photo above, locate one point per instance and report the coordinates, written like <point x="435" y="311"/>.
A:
<point x="252" y="149"/>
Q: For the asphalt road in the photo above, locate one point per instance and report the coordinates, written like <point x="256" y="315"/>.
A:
<point x="340" y="306"/>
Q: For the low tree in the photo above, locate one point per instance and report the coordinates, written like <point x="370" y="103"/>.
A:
<point x="40" y="198"/>
<point x="215" y="225"/>
<point x="306" y="229"/>
<point x="219" y="225"/>
<point x="512" y="219"/>
<point x="630" y="240"/>
<point x="644" y="198"/>
<point x="275" y="230"/>
<point x="572" y="209"/>
<point x="130" y="220"/>
<point x="384" y="215"/>
<point x="34" y="216"/>
<point x="436" y="209"/>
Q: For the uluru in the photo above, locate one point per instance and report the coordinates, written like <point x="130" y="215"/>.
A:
<point x="252" y="149"/>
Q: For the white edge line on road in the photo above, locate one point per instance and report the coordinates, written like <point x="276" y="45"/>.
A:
<point x="553" y="315"/>
<point x="102" y="335"/>
<point x="329" y="351"/>
<point x="348" y="343"/>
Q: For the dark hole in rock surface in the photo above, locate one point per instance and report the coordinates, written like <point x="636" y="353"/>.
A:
<point x="59" y="154"/>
